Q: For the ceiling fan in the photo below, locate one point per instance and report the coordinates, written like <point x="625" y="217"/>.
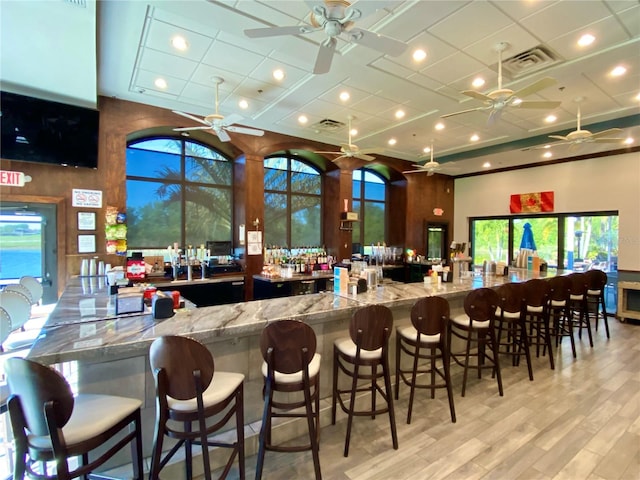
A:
<point x="497" y="100"/>
<point x="430" y="167"/>
<point x="336" y="18"/>
<point x="349" y="150"/>
<point x="218" y="123"/>
<point x="578" y="137"/>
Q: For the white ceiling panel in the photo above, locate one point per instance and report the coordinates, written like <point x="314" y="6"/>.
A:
<point x="459" y="37"/>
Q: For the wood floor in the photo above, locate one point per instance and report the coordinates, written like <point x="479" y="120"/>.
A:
<point x="579" y="421"/>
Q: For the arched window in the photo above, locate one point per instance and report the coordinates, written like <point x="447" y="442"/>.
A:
<point x="292" y="203"/>
<point x="177" y="191"/>
<point x="369" y="200"/>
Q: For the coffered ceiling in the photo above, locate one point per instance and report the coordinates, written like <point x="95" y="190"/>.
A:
<point x="459" y="38"/>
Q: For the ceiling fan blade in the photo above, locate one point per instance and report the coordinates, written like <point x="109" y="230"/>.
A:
<point x="381" y="43"/>
<point x="277" y="31"/>
<point x="325" y="56"/>
<point x="463" y="111"/>
<point x="231" y="119"/>
<point x="245" y="130"/>
<point x="559" y="137"/>
<point x="537" y="104"/>
<point x="608" y="140"/>
<point x="222" y="135"/>
<point x="416" y="171"/>
<point x="191" y="117"/>
<point x="536" y="87"/>
<point x="186" y="129"/>
<point x="574" y="146"/>
<point x="478" y="96"/>
<point x="607" y="132"/>
<point x="362" y="156"/>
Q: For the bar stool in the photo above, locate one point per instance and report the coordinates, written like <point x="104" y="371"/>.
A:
<point x="536" y="311"/>
<point x="18" y="306"/>
<point x="189" y="390"/>
<point x="510" y="320"/>
<point x="561" y="320"/>
<point x="477" y="325"/>
<point x="366" y="346"/>
<point x="596" y="283"/>
<point x="290" y="365"/>
<point x="425" y="339"/>
<point x="578" y="304"/>
<point x="51" y="425"/>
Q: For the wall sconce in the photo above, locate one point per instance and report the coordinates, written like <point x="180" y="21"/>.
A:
<point x="256" y="223"/>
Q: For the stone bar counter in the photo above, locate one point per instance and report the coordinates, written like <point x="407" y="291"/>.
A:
<point x="111" y="353"/>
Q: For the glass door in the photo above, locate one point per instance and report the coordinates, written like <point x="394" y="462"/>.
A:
<point x="28" y="245"/>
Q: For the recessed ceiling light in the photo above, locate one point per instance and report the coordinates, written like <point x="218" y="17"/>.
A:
<point x="638" y="97"/>
<point x="439" y="126"/>
<point x="179" y="43"/>
<point x="344" y="96"/>
<point x="619" y="70"/>
<point x="547" y="146"/>
<point x="243" y="104"/>
<point x="392" y="141"/>
<point x="426" y="149"/>
<point x="400" y="114"/>
<point x="547" y="154"/>
<point x="278" y="74"/>
<point x="185" y="134"/>
<point x="478" y="82"/>
<point x="486" y="165"/>
<point x="160" y="83"/>
<point x="550" y="118"/>
<point x="629" y="140"/>
<point x="303" y="119"/>
<point x="419" y="55"/>
<point x="474" y="137"/>
<point x="586" y="40"/>
<point x="353" y="132"/>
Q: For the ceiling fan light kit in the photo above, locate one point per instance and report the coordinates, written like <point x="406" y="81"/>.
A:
<point x="500" y="99"/>
<point x="349" y="150"/>
<point x="219" y="124"/>
<point x="337" y="19"/>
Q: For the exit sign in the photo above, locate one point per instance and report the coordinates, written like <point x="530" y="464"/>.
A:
<point x="13" y="179"/>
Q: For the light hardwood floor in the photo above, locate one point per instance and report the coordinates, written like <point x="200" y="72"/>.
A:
<point x="579" y="421"/>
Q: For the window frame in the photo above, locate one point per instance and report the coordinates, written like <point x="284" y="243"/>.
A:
<point x="361" y="198"/>
<point x="183" y="183"/>
<point x="289" y="192"/>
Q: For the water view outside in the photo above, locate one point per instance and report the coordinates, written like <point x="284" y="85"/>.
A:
<point x="20" y="247"/>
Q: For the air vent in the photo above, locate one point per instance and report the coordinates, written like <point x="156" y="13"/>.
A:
<point x="529" y="61"/>
<point x="77" y="3"/>
<point x="328" y="125"/>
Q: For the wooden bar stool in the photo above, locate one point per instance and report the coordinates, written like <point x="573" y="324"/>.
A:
<point x="510" y="321"/>
<point x="290" y="365"/>
<point x="561" y="320"/>
<point x="51" y="425"/>
<point x="476" y="326"/>
<point x="578" y="304"/>
<point x="366" y="346"/>
<point x="425" y="339"/>
<point x="536" y="310"/>
<point x="189" y="391"/>
<point x="596" y="283"/>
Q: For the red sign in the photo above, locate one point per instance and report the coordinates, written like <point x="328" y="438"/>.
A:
<point x="12" y="179"/>
<point x="438" y="212"/>
<point x="531" y="202"/>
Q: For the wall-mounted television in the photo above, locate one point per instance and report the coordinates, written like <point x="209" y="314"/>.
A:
<point x="42" y="131"/>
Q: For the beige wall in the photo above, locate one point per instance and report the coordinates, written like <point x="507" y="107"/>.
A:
<point x="606" y="183"/>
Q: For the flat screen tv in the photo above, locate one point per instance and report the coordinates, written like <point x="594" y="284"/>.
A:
<point x="42" y="131"/>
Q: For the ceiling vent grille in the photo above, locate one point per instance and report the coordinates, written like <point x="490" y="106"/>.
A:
<point x="328" y="125"/>
<point x="529" y="61"/>
<point x="77" y="3"/>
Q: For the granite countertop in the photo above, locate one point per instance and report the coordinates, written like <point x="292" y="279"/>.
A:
<point x="80" y="329"/>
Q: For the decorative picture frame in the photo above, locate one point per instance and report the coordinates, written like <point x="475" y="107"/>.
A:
<point x="86" y="243"/>
<point x="86" y="221"/>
